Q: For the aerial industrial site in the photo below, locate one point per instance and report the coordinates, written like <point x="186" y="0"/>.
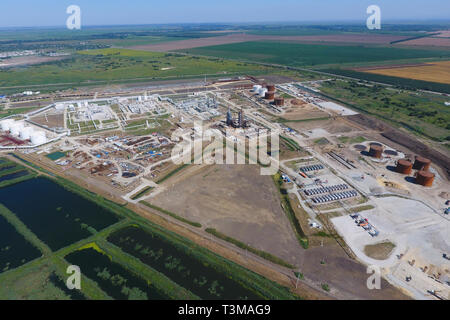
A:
<point x="149" y="153"/>
<point x="388" y="204"/>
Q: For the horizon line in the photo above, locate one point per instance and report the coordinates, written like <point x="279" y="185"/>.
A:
<point x="293" y="23"/>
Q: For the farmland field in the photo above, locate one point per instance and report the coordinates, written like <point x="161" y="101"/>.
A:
<point x="434" y="72"/>
<point x="119" y="65"/>
<point x="309" y="55"/>
<point x="421" y="113"/>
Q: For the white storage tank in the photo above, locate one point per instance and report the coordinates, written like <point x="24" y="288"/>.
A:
<point x="256" y="88"/>
<point x="25" y="133"/>
<point x="262" y="92"/>
<point x="38" y="137"/>
<point x="6" y="124"/>
<point x="15" y="128"/>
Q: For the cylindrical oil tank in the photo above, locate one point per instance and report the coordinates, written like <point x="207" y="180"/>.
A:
<point x="404" y="166"/>
<point x="279" y="101"/>
<point x="38" y="137"/>
<point x="422" y="164"/>
<point x="425" y="178"/>
<point x="15" y="128"/>
<point x="270" y="95"/>
<point x="25" y="133"/>
<point x="376" y="151"/>
<point x="6" y="124"/>
<point x="271" y="88"/>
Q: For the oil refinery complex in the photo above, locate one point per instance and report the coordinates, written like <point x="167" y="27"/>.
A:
<point x="345" y="177"/>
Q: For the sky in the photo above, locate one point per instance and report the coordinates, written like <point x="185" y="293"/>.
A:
<point x="36" y="13"/>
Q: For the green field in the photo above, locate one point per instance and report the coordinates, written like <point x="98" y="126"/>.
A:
<point x="310" y="55"/>
<point x="122" y="64"/>
<point x="422" y="113"/>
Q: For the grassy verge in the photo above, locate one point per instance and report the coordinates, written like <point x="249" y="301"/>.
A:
<point x="293" y="145"/>
<point x="242" y="245"/>
<point x="287" y="208"/>
<point x="173" y="215"/>
<point x="171" y="173"/>
<point x="141" y="193"/>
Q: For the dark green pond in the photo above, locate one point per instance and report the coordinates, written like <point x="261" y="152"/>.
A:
<point x="61" y="285"/>
<point x="15" y="250"/>
<point x="56" y="155"/>
<point x="14" y="175"/>
<point x="180" y="265"/>
<point x="57" y="216"/>
<point x="112" y="278"/>
<point x="2" y="169"/>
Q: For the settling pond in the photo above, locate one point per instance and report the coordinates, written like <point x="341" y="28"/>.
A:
<point x="112" y="278"/>
<point x="181" y="266"/>
<point x="57" y="216"/>
<point x="14" y="249"/>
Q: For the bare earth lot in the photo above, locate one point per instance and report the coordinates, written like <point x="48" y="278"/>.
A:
<point x="240" y="203"/>
<point x="23" y="61"/>
<point x="433" y="42"/>
<point x="237" y="201"/>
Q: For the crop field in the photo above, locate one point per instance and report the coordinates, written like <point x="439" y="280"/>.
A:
<point x="434" y="72"/>
<point x="310" y="55"/>
<point x="421" y="113"/>
<point x="121" y="255"/>
<point x="403" y="83"/>
<point x="122" y="64"/>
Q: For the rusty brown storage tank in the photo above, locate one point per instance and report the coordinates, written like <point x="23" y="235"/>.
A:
<point x="404" y="166"/>
<point x="422" y="163"/>
<point x="425" y="178"/>
<point x="271" y="88"/>
<point x="376" y="151"/>
<point x="279" y="101"/>
<point x="270" y="95"/>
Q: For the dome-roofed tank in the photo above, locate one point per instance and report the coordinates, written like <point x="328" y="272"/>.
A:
<point x="25" y="133"/>
<point x="425" y="178"/>
<point x="376" y="151"/>
<point x="6" y="124"/>
<point x="15" y="128"/>
<point x="404" y="166"/>
<point x="38" y="137"/>
<point x="422" y="164"/>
